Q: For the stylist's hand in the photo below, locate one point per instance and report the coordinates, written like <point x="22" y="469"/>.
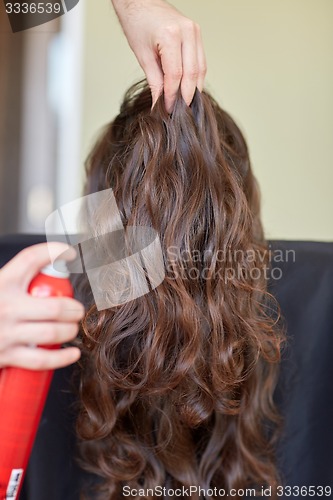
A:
<point x="26" y="320"/>
<point x="167" y="45"/>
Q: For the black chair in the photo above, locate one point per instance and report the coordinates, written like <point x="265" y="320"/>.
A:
<point x="303" y="285"/>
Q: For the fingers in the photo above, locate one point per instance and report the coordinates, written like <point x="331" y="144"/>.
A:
<point x="39" y="358"/>
<point x="26" y="264"/>
<point x="31" y="320"/>
<point x="43" y="333"/>
<point x="170" y="52"/>
<point x="193" y="61"/>
<point x="167" y="45"/>
<point x="183" y="62"/>
<point x="202" y="63"/>
<point x="190" y="66"/>
<point x="154" y="75"/>
<point x="60" y="309"/>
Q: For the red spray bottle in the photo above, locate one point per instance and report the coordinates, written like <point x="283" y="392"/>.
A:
<point x="23" y="394"/>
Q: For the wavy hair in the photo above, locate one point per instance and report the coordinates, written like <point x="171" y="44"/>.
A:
<point x="177" y="385"/>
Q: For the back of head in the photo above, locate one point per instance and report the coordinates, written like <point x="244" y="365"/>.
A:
<point x="177" y="384"/>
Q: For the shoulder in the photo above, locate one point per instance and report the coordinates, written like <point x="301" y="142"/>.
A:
<point x="301" y="267"/>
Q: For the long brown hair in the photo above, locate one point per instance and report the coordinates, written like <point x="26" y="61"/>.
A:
<point x="177" y="385"/>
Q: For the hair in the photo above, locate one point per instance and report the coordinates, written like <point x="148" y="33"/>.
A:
<point x="177" y="385"/>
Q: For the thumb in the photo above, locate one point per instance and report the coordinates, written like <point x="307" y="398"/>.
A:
<point x="20" y="270"/>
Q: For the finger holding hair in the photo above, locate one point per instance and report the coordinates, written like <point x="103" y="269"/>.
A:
<point x="154" y="74"/>
<point x="190" y="62"/>
<point x="201" y="57"/>
<point x="169" y="50"/>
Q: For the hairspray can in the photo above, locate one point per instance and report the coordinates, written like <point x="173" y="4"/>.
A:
<point x="23" y="394"/>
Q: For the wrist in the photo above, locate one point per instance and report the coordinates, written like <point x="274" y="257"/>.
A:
<point x="129" y="5"/>
<point x="123" y="8"/>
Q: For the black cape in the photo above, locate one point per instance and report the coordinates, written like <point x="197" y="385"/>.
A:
<point x="303" y="286"/>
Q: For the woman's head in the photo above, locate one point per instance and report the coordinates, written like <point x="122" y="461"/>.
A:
<point x="177" y="384"/>
<point x="193" y="146"/>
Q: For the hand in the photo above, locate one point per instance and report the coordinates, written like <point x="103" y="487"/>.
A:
<point x="27" y="320"/>
<point x="167" y="45"/>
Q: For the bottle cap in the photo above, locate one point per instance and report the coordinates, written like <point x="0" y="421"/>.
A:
<point x="57" y="270"/>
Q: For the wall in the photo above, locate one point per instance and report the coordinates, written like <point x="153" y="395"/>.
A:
<point x="270" y="65"/>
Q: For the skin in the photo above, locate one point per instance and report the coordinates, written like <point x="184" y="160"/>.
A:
<point x="167" y="45"/>
<point x="27" y="320"/>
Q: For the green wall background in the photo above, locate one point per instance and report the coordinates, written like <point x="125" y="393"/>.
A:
<point x="270" y="65"/>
